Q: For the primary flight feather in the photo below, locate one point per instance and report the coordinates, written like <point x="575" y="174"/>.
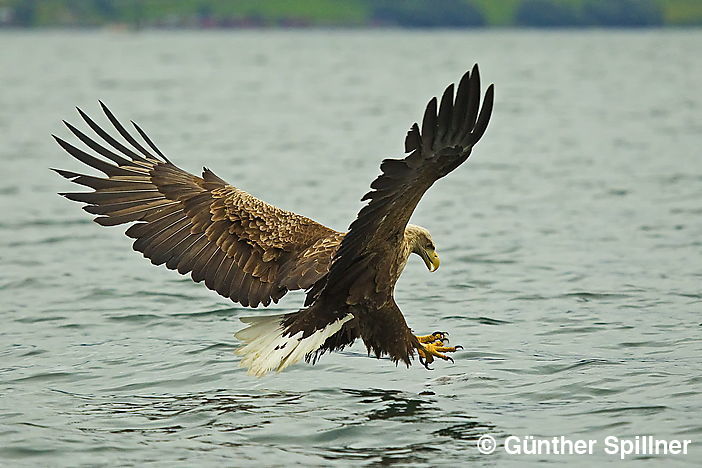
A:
<point x="253" y="252"/>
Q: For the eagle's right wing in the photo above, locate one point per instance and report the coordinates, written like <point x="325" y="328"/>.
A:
<point x="242" y="247"/>
<point x="448" y="133"/>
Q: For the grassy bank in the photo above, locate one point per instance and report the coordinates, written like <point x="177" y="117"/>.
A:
<point x="406" y="13"/>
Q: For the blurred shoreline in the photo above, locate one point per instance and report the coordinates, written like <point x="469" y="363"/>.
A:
<point x="348" y="14"/>
<point x="127" y="29"/>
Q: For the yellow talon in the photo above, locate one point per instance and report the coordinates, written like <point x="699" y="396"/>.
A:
<point x="434" y="337"/>
<point x="429" y="351"/>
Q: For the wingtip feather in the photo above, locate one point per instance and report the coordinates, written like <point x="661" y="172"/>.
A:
<point x="66" y="174"/>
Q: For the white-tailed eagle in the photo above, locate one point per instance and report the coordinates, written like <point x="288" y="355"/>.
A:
<point x="253" y="252"/>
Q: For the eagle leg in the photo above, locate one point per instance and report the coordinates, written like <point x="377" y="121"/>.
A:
<point x="428" y="351"/>
<point x="434" y="337"/>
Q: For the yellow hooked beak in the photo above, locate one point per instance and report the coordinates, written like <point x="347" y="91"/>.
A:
<point x="431" y="259"/>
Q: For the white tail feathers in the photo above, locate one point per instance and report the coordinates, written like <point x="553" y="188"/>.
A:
<point x="267" y="349"/>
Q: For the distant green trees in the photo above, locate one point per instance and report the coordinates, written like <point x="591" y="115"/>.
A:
<point x="24" y="14"/>
<point x="546" y="13"/>
<point x="401" y="13"/>
<point x="605" y="13"/>
<point x="427" y="13"/>
<point x="622" y="13"/>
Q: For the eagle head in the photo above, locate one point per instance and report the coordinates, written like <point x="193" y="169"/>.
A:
<point x="418" y="240"/>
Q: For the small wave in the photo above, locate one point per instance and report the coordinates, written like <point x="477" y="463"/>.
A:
<point x="489" y="321"/>
<point x="47" y="377"/>
<point x="636" y="410"/>
<point x="585" y="363"/>
<point x="134" y="318"/>
<point x="227" y="312"/>
<point x="588" y="296"/>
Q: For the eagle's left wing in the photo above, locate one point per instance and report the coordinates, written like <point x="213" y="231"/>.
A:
<point x="240" y="246"/>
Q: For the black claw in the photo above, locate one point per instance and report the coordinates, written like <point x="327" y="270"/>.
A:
<point x="458" y="347"/>
<point x="449" y="359"/>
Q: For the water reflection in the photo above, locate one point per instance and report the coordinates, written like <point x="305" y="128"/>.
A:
<point x="423" y="418"/>
<point x="355" y="431"/>
<point x="402" y="406"/>
<point x="140" y="409"/>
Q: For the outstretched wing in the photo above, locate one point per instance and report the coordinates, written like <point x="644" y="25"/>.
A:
<point x="444" y="143"/>
<point x="242" y="247"/>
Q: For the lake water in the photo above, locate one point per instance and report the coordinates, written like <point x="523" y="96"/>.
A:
<point x="570" y="246"/>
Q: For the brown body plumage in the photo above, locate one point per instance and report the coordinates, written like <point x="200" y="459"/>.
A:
<point x="253" y="252"/>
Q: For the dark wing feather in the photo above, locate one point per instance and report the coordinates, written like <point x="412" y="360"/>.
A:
<point x="444" y="142"/>
<point x="240" y="246"/>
